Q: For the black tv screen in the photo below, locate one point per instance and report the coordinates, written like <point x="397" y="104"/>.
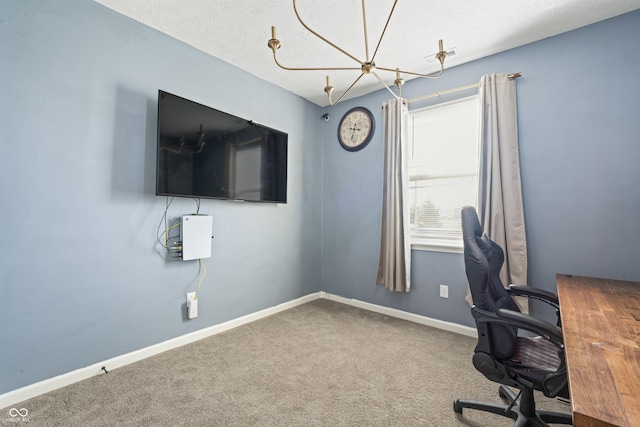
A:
<point x="204" y="152"/>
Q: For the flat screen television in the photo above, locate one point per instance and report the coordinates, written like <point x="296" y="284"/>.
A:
<point x="206" y="153"/>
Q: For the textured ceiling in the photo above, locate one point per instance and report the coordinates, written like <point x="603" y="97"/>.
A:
<point x="237" y="32"/>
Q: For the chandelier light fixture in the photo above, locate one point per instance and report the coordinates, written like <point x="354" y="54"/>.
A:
<point x="368" y="66"/>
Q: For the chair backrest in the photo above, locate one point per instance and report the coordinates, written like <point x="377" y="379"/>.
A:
<point x="483" y="259"/>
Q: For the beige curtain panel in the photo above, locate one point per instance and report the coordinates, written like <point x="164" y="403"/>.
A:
<point x="500" y="206"/>
<point x="394" y="262"/>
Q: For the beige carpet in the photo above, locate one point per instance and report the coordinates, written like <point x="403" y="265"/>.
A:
<point x="319" y="364"/>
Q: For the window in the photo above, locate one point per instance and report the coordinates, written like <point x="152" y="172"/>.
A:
<point x="443" y="170"/>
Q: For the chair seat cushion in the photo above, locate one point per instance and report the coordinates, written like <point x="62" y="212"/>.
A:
<point x="536" y="353"/>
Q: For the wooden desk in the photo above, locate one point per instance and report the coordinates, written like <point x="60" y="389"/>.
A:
<point x="601" y="328"/>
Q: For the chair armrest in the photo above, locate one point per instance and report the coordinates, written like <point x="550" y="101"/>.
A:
<point x="533" y="324"/>
<point x="534" y="293"/>
<point x="521" y="321"/>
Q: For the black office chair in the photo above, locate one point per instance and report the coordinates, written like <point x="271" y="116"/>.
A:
<point x="528" y="362"/>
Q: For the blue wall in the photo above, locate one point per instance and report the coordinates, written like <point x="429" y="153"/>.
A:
<point x="579" y="133"/>
<point x="82" y="278"/>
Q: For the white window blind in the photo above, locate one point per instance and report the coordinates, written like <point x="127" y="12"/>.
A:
<point x="443" y="170"/>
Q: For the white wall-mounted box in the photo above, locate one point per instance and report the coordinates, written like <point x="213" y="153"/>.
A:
<point x="195" y="233"/>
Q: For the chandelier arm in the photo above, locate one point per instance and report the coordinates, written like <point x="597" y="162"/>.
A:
<point x="295" y="9"/>
<point x="345" y="92"/>
<point x="428" y="76"/>
<point x="384" y="30"/>
<point x="313" y="68"/>
<point x="385" y="85"/>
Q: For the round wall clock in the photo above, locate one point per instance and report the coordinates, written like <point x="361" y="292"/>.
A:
<point x="356" y="129"/>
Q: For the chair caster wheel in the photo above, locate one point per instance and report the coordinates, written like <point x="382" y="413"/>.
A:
<point x="456" y="407"/>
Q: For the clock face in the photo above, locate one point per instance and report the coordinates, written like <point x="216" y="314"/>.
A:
<point x="356" y="129"/>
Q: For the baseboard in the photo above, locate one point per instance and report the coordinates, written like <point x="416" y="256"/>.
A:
<point x="15" y="396"/>
<point x="45" y="386"/>
<point x="423" y="320"/>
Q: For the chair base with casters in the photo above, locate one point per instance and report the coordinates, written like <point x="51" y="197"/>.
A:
<point x="519" y="408"/>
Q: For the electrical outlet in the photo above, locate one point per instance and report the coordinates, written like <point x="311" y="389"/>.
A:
<point x="192" y="305"/>
<point x="444" y="291"/>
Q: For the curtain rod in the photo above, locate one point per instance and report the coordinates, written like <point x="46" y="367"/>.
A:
<point x="457" y="89"/>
